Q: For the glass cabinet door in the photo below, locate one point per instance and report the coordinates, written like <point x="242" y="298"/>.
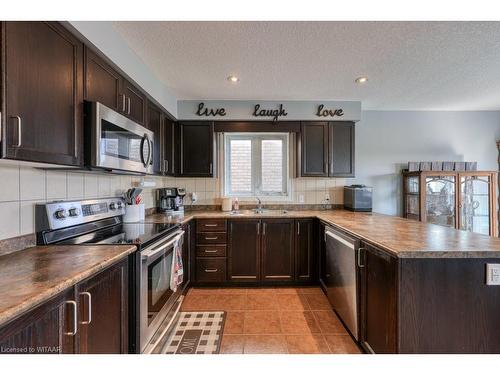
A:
<point x="440" y="200"/>
<point x="475" y="204"/>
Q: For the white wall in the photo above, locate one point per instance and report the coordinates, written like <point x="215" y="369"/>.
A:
<point x="102" y="35"/>
<point x="387" y="140"/>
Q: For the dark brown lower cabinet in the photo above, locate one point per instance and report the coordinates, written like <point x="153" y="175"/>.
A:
<point x="103" y="312"/>
<point x="378" y="298"/>
<point x="90" y="317"/>
<point x="44" y="330"/>
<point x="305" y="254"/>
<point x="244" y="250"/>
<point x="277" y="250"/>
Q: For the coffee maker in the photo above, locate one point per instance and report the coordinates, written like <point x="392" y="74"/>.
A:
<point x="170" y="200"/>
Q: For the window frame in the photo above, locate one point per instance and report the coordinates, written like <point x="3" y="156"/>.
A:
<point x="256" y="171"/>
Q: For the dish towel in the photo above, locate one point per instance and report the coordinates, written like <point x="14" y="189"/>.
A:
<point x="177" y="271"/>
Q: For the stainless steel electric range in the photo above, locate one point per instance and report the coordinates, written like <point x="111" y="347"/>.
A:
<point x="153" y="304"/>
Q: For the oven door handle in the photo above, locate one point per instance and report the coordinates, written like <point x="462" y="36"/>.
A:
<point x="150" y="255"/>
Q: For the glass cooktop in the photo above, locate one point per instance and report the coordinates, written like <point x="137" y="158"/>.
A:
<point x="124" y="233"/>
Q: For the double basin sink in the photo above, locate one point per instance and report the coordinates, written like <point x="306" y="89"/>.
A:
<point x="259" y="212"/>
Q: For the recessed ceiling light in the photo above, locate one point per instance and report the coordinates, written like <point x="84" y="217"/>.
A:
<point x="233" y="78"/>
<point x="361" y="80"/>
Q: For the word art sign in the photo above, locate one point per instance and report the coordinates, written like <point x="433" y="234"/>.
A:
<point x="274" y="113"/>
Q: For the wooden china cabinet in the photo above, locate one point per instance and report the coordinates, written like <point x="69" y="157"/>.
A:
<point x="462" y="200"/>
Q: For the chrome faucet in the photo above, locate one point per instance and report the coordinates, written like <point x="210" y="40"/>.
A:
<point x="259" y="208"/>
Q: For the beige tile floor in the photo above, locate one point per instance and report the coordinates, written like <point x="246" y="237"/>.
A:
<point x="274" y="320"/>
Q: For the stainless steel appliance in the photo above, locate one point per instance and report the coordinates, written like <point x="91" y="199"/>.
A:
<point x="358" y="198"/>
<point x="153" y="305"/>
<point x="170" y="200"/>
<point x="114" y="142"/>
<point x="342" y="254"/>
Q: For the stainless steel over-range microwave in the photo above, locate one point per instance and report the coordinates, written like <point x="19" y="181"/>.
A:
<point x="114" y="142"/>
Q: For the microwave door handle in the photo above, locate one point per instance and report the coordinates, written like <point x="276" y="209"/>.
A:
<point x="153" y="254"/>
<point x="145" y="161"/>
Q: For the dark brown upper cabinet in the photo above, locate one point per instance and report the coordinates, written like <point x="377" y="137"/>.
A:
<point x="135" y="102"/>
<point x="196" y="149"/>
<point x="105" y="85"/>
<point x="153" y="123"/>
<point x="305" y="254"/>
<point x="102" y="82"/>
<point x="43" y="86"/>
<point x="278" y="250"/>
<point x="244" y="250"/>
<point x="341" y="149"/>
<point x="168" y="147"/>
<point x="326" y="149"/>
<point x="312" y="145"/>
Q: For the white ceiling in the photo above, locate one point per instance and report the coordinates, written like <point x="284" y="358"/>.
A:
<point x="410" y="65"/>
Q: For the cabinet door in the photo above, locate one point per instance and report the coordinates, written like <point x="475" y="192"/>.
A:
<point x="46" y="329"/>
<point x="154" y="122"/>
<point x="135" y="102"/>
<point x="476" y="203"/>
<point x="304" y="247"/>
<point x="168" y="147"/>
<point x="341" y="149"/>
<point x="313" y="149"/>
<point x="277" y="249"/>
<point x="244" y="250"/>
<point x="102" y="83"/>
<point x="196" y="149"/>
<point x="43" y="93"/>
<point x="379" y="305"/>
<point x="103" y="317"/>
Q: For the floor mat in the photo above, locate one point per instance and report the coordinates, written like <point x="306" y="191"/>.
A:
<point x="196" y="333"/>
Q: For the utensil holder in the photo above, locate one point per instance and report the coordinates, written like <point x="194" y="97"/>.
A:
<point x="134" y="213"/>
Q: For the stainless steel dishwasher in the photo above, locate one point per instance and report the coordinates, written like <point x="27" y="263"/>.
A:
<point x="342" y="252"/>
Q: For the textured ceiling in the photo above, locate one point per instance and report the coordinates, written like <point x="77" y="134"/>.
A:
<point x="410" y="65"/>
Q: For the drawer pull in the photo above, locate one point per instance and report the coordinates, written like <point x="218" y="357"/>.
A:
<point x="211" y="238"/>
<point x="210" y="251"/>
<point x="211" y="270"/>
<point x="211" y="225"/>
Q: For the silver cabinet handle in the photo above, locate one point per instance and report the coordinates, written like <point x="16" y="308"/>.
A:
<point x="360" y="252"/>
<point x="210" y="251"/>
<point x="264" y="229"/>
<point x="89" y="311"/>
<point x="19" y="128"/>
<point x="75" y="322"/>
<point x="211" y="270"/>
<point x="211" y="238"/>
<point x="298" y="228"/>
<point x="210" y="225"/>
<point x="123" y="102"/>
<point x="211" y="168"/>
<point x="258" y="228"/>
<point x="128" y="105"/>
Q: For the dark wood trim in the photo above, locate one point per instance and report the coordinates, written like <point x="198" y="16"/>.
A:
<point x="257" y="126"/>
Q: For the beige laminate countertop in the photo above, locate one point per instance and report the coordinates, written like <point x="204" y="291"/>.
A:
<point x="403" y="238"/>
<point x="32" y="276"/>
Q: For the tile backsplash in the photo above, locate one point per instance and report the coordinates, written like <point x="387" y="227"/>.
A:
<point x="22" y="187"/>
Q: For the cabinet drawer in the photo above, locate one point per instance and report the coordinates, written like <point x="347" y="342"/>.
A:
<point x="210" y="238"/>
<point x="210" y="269"/>
<point x="211" y="250"/>
<point x="211" y="225"/>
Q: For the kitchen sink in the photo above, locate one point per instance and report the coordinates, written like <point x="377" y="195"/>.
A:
<point x="259" y="212"/>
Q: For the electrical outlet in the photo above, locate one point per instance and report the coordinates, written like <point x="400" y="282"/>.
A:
<point x="301" y="198"/>
<point x="194" y="197"/>
<point x="327" y="196"/>
<point x="492" y="274"/>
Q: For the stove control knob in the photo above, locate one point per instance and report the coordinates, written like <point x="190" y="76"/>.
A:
<point x="60" y="214"/>
<point x="74" y="212"/>
<point x="112" y="206"/>
<point x="119" y="205"/>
